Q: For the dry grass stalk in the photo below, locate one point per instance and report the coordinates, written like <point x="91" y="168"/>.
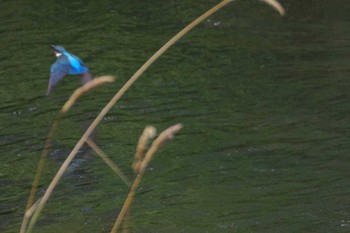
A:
<point x="85" y="88"/>
<point x="108" y="161"/>
<point x="27" y="215"/>
<point x="148" y="133"/>
<point x="276" y="5"/>
<point x="38" y="174"/>
<point x="77" y="93"/>
<point x="31" y="210"/>
<point x="112" y="102"/>
<point x="160" y="140"/>
<point x="121" y="92"/>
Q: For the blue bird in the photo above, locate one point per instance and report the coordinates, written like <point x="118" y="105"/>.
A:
<point x="67" y="63"/>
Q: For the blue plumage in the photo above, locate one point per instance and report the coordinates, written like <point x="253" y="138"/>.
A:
<point x="66" y="63"/>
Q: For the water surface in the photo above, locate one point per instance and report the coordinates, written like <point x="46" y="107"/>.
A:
<point x="264" y="101"/>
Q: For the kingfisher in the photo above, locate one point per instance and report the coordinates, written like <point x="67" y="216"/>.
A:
<point x="67" y="63"/>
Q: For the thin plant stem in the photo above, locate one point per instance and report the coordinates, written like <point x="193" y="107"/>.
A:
<point x="85" y="88"/>
<point x="127" y="203"/>
<point x="276" y="5"/>
<point x="163" y="137"/>
<point x="113" y="101"/>
<point x="31" y="210"/>
<point x="28" y="213"/>
<point x="108" y="161"/>
<point x="38" y="172"/>
<point x="70" y="102"/>
<point x="148" y="133"/>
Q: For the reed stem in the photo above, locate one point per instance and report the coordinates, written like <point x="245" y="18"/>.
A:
<point x="69" y="103"/>
<point x="112" y="102"/>
<point x="108" y="161"/>
<point x="121" y="92"/>
<point x="160" y="140"/>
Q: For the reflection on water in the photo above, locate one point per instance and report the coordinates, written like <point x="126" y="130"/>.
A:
<point x="264" y="102"/>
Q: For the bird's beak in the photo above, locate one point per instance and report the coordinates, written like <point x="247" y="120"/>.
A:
<point x="53" y="47"/>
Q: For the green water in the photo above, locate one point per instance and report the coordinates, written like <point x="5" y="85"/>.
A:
<point x="264" y="101"/>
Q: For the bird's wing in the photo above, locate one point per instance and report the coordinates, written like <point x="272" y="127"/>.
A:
<point x="77" y="64"/>
<point x="59" y="69"/>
